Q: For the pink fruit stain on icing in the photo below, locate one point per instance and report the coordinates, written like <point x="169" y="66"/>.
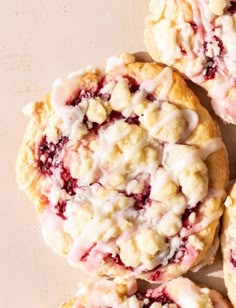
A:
<point x="61" y="207"/>
<point x="86" y="254"/>
<point x="48" y="153"/>
<point x="189" y="257"/>
<point x="232" y="258"/>
<point x="232" y="9"/>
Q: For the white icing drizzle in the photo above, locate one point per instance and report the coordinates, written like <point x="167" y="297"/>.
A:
<point x="113" y="62"/>
<point x="62" y="92"/>
<point x="179" y="166"/>
<point x="120" y="61"/>
<point x="164" y="78"/>
<point x="191" y="117"/>
<point x="210" y="146"/>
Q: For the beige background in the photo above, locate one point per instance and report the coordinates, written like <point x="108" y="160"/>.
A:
<point x="40" y="41"/>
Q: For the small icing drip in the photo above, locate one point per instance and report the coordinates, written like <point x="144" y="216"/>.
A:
<point x="121" y="60"/>
<point x="165" y="79"/>
<point x="52" y="230"/>
<point x="113" y="62"/>
<point x="81" y="72"/>
<point x="210" y="146"/>
<point x="28" y="109"/>
<point x="191" y="117"/>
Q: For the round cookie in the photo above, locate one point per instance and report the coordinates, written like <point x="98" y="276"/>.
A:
<point x="127" y="171"/>
<point x="180" y="292"/>
<point x="228" y="244"/>
<point x="198" y="38"/>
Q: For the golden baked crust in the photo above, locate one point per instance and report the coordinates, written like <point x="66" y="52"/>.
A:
<point x="198" y="39"/>
<point x="228" y="243"/>
<point x="49" y="159"/>
<point x="70" y="304"/>
<point x="104" y="293"/>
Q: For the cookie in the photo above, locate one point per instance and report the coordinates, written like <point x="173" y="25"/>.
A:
<point x="198" y="38"/>
<point x="126" y="169"/>
<point x="180" y="292"/>
<point x="228" y="244"/>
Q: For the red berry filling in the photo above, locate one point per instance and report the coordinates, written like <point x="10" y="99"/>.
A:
<point x="210" y="70"/>
<point x="114" y="116"/>
<point x="185" y="217"/>
<point x="233" y="258"/>
<point x="96" y="91"/>
<point x="141" y="200"/>
<point x="155" y="276"/>
<point x="82" y="95"/>
<point x="61" y="207"/>
<point x="116" y="259"/>
<point x="194" y="26"/>
<point x="133" y="84"/>
<point x="133" y="120"/>
<point x="89" y="93"/>
<point x="211" y="66"/>
<point x="183" y="51"/>
<point x="49" y="154"/>
<point x="70" y="184"/>
<point x="151" y="297"/>
<point x="151" y="97"/>
<point x="232" y="9"/>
